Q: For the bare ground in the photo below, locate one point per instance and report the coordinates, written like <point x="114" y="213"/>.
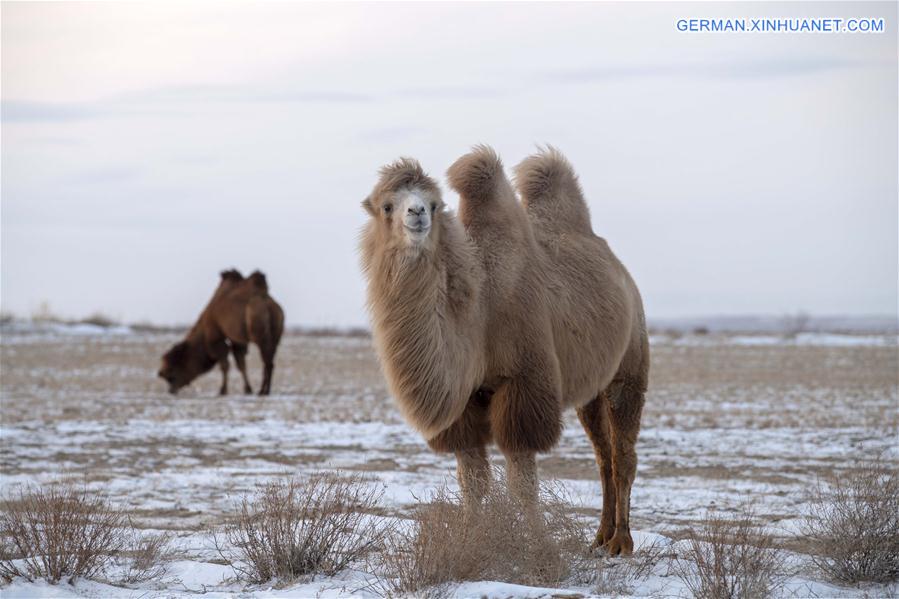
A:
<point x="723" y="424"/>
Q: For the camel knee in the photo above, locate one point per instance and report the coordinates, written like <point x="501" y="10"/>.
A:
<point x="626" y="399"/>
<point x="594" y="418"/>
<point x="624" y="464"/>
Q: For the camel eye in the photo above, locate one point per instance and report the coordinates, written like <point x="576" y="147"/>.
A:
<point x="388" y="208"/>
<point x="433" y="207"/>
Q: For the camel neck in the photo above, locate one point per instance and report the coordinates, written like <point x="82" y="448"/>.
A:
<point x="427" y="329"/>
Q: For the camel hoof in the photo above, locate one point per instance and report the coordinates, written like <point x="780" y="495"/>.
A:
<point x="248" y="390"/>
<point x="620" y="544"/>
<point x="602" y="538"/>
<point x="223" y="392"/>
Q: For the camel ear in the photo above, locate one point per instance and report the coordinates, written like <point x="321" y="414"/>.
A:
<point x="366" y="203"/>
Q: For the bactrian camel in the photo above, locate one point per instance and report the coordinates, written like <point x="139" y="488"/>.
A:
<point x="240" y="311"/>
<point x="489" y="324"/>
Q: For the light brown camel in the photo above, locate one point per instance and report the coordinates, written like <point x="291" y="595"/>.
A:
<point x="240" y="311"/>
<point x="490" y="325"/>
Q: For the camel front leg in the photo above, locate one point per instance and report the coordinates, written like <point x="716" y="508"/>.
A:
<point x="467" y="438"/>
<point x="223" y="364"/>
<point x="473" y="470"/>
<point x="526" y="418"/>
<point x="521" y="477"/>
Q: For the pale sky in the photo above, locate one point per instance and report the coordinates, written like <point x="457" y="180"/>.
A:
<point x="145" y="147"/>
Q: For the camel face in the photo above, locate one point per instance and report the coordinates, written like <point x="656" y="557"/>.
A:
<point x="176" y="368"/>
<point x="170" y="376"/>
<point x="415" y="213"/>
<point x="405" y="218"/>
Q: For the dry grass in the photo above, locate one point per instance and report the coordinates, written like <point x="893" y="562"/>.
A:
<point x="504" y="540"/>
<point x="853" y="525"/>
<point x="616" y="576"/>
<point x="730" y="558"/>
<point x="293" y="528"/>
<point x="64" y="532"/>
<point x="150" y="556"/>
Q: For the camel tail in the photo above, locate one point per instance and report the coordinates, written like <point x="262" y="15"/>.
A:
<point x="550" y="190"/>
<point x="475" y="175"/>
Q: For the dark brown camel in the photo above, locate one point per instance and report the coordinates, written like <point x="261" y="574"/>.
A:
<point x="240" y="311"/>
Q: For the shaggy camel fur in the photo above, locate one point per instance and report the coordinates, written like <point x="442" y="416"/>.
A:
<point x="487" y="333"/>
<point x="240" y="311"/>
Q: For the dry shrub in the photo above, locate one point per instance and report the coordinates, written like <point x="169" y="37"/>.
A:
<point x="853" y="525"/>
<point x="150" y="556"/>
<point x="617" y="575"/>
<point x="293" y="528"/>
<point x="99" y="319"/>
<point x="730" y="558"/>
<point x="504" y="540"/>
<point x="65" y="532"/>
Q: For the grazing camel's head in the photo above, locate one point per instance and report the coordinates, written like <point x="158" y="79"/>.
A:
<point x="404" y="207"/>
<point x="182" y="364"/>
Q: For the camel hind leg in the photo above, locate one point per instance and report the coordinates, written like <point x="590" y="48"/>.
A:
<point x="267" y="349"/>
<point x="265" y="331"/>
<point x="626" y="398"/>
<point x="594" y="418"/>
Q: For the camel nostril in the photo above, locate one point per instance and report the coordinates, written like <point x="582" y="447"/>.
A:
<point x="417" y="210"/>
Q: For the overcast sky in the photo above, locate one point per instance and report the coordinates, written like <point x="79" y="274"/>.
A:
<point x="146" y="147"/>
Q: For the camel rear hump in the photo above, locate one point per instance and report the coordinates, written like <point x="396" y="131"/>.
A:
<point x="258" y="281"/>
<point x="551" y="193"/>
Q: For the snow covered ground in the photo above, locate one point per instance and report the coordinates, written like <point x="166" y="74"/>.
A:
<point x="727" y="419"/>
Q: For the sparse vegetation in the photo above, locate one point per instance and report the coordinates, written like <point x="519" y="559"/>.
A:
<point x="617" y="576"/>
<point x="63" y="532"/>
<point x="832" y="392"/>
<point x="794" y="324"/>
<point x="150" y="555"/>
<point x="443" y="545"/>
<point x="853" y="525"/>
<point x="44" y="314"/>
<point x="730" y="557"/>
<point x="293" y="528"/>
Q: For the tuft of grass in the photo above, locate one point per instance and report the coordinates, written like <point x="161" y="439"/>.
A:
<point x="292" y="528"/>
<point x="150" y="556"/>
<point x="852" y="525"/>
<point x="730" y="557"/>
<point x="505" y="540"/>
<point x="63" y="532"/>
<point x="617" y="576"/>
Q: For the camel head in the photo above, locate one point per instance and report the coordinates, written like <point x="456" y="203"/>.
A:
<point x="182" y="364"/>
<point x="404" y="207"/>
